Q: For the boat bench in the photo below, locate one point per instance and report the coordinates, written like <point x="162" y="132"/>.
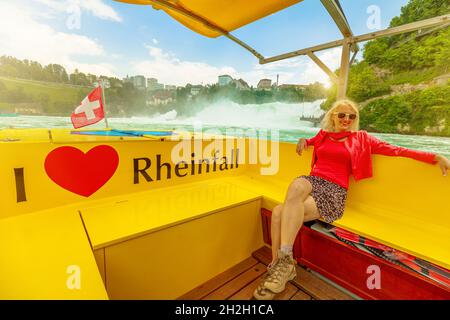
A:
<point x="172" y="239"/>
<point x="46" y="255"/>
<point x="168" y="239"/>
<point x="410" y="217"/>
<point x="399" y="228"/>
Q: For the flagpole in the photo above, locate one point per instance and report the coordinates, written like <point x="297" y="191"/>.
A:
<point x="104" y="102"/>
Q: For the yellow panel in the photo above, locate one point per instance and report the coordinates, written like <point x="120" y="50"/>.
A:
<point x="114" y="222"/>
<point x="409" y="190"/>
<point x="41" y="253"/>
<point x="168" y="263"/>
<point x="100" y="260"/>
<point x="42" y="193"/>
<point x="16" y="135"/>
<point x="226" y="14"/>
<point x="66" y="136"/>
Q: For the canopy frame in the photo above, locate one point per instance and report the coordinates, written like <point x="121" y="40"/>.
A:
<point x="207" y="24"/>
<point x="349" y="43"/>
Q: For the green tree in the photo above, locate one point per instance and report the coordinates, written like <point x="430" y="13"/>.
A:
<point x="364" y="84"/>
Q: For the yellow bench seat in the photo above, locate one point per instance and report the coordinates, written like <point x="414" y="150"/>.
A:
<point x="39" y="252"/>
<point x="139" y="214"/>
<point x="162" y="243"/>
<point x="424" y="238"/>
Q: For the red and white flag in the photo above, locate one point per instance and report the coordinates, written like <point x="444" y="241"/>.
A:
<point x="90" y="110"/>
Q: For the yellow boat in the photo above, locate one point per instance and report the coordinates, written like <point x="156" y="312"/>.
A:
<point x="156" y="216"/>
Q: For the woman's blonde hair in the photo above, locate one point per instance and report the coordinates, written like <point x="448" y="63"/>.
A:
<point x="327" y="123"/>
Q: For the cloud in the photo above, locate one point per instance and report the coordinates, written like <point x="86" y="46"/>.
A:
<point x="101" y="10"/>
<point x="96" y="7"/>
<point x="168" y="69"/>
<point x="154" y="41"/>
<point x="23" y="37"/>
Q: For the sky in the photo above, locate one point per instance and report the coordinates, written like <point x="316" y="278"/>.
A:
<point x="110" y="38"/>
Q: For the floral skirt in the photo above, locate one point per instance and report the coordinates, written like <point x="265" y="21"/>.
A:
<point x="329" y="197"/>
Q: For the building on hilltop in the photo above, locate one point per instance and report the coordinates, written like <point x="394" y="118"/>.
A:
<point x="160" y="97"/>
<point x="170" y="87"/>
<point x="105" y="83"/>
<point x="137" y="81"/>
<point x="241" y="84"/>
<point x="151" y="83"/>
<point x="225" y="80"/>
<point x="195" y="90"/>
<point x="264" y="84"/>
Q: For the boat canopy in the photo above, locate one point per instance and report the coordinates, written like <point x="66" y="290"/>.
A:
<point x="224" y="15"/>
<point x="213" y="18"/>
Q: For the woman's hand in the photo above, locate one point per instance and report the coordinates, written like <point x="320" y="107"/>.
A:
<point x="301" y="145"/>
<point x="444" y="163"/>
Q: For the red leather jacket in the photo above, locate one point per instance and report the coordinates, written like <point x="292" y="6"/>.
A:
<point x="361" y="146"/>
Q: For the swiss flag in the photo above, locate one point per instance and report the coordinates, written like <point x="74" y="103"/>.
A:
<point x="90" y="110"/>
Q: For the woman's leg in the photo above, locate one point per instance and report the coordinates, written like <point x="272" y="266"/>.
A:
<point x="293" y="213"/>
<point x="310" y="213"/>
<point x="275" y="230"/>
<point x="292" y="216"/>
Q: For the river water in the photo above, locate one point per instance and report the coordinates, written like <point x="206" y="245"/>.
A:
<point x="225" y="115"/>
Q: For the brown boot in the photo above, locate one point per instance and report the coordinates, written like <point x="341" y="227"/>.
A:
<point x="282" y="271"/>
<point x="262" y="293"/>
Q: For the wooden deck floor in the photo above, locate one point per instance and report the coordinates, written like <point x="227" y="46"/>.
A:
<point x="239" y="282"/>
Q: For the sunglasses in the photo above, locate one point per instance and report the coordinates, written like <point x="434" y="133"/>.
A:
<point x="342" y="115"/>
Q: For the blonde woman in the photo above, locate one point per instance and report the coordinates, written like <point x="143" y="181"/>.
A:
<point x="340" y="149"/>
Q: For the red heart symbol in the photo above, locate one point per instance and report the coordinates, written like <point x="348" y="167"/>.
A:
<point x="81" y="173"/>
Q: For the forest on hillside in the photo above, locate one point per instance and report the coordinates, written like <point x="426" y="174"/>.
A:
<point x="56" y="92"/>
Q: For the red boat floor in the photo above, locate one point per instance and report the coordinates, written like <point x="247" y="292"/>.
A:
<point x="239" y="282"/>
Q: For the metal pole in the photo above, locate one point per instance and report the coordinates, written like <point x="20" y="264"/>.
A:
<point x="429" y="23"/>
<point x="322" y="65"/>
<point x="344" y="70"/>
<point x="104" y="102"/>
